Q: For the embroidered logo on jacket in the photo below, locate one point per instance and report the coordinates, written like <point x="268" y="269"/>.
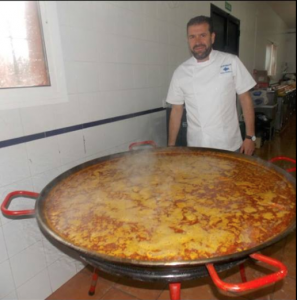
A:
<point x="226" y="69"/>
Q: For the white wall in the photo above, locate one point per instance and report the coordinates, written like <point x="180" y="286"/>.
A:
<point x="119" y="58"/>
<point x="291" y="50"/>
<point x="270" y="28"/>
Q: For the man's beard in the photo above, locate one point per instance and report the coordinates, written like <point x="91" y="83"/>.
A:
<point x="202" y="55"/>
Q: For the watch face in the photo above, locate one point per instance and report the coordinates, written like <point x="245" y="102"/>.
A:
<point x="253" y="138"/>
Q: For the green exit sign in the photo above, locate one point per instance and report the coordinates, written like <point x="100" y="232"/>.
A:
<point x="228" y="6"/>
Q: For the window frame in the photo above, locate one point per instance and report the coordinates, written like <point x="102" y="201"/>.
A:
<point x="13" y="98"/>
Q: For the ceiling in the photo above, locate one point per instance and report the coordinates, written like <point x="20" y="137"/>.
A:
<point x="286" y="11"/>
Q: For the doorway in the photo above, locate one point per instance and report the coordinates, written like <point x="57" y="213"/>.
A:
<point x="227" y="29"/>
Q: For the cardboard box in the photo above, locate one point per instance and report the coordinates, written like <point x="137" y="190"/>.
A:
<point x="261" y="76"/>
<point x="258" y="142"/>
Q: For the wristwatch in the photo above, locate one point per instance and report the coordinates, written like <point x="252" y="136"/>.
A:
<point x="253" y="138"/>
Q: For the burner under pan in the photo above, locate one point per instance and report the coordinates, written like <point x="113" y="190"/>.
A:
<point x="153" y="274"/>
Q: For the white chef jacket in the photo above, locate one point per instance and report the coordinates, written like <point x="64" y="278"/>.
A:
<point x="208" y="90"/>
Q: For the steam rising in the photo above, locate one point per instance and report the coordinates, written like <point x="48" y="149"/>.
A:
<point x="170" y="205"/>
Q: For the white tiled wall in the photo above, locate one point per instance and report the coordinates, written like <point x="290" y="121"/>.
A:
<point x="119" y="58"/>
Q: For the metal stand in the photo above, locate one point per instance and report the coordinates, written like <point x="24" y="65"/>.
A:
<point x="174" y="291"/>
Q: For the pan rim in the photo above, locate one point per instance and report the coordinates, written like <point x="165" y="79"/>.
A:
<point x="225" y="258"/>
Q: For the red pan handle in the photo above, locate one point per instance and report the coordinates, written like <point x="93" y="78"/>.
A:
<point x="285" y="158"/>
<point x="152" y="143"/>
<point x="253" y="284"/>
<point x="16" y="194"/>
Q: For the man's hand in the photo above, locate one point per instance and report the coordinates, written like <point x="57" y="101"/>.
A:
<point x="247" y="147"/>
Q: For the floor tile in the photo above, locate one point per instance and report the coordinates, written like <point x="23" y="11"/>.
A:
<point x="115" y="294"/>
<point x="290" y="255"/>
<point x="70" y="289"/>
<point x="276" y="250"/>
<point x="285" y="289"/>
<point x="78" y="287"/>
<point x="141" y="290"/>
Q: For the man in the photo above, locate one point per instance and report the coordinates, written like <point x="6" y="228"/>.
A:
<point x="207" y="84"/>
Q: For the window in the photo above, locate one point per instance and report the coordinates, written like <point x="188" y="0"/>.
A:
<point x="270" y="64"/>
<point x="52" y="90"/>
<point x="22" y="56"/>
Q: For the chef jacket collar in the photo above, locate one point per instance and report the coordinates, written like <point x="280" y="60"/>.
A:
<point x="211" y="59"/>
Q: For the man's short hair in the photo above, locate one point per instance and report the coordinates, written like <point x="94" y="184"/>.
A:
<point x="201" y="20"/>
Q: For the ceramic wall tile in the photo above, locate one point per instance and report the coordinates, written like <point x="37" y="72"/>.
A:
<point x="14" y="164"/>
<point x="79" y="265"/>
<point x="3" y="247"/>
<point x="95" y="145"/>
<point x="120" y="136"/>
<point x="112" y="106"/>
<point x="139" y="51"/>
<point x="61" y="271"/>
<point x="6" y="283"/>
<point x="87" y="77"/>
<point x="28" y="263"/>
<point x="10" y="124"/>
<point x="140" y="76"/>
<point x="51" y="251"/>
<point x="92" y="107"/>
<point x="132" y="50"/>
<point x="140" y="99"/>
<point x="66" y="167"/>
<point x="107" y="45"/>
<point x="78" y="44"/>
<point x="37" y="288"/>
<point x="127" y="102"/>
<point x="124" y="23"/>
<point x="71" y="146"/>
<point x="153" y="53"/>
<point x="38" y="119"/>
<point x="163" y="32"/>
<point x="105" y="16"/>
<point x="125" y="76"/>
<point x="152" y="100"/>
<point x="130" y="24"/>
<point x="163" y="11"/>
<point x="151" y="29"/>
<point x="153" y="74"/>
<point x="11" y="296"/>
<point x="150" y="8"/>
<point x="75" y="14"/>
<point x="43" y="155"/>
<point x="71" y="76"/>
<point x="43" y="179"/>
<point x="20" y="234"/>
<point x="137" y="7"/>
<point x="143" y="125"/>
<point x="108" y="76"/>
<point x="164" y="57"/>
<point x="159" y="128"/>
<point x="68" y="114"/>
<point x="137" y="26"/>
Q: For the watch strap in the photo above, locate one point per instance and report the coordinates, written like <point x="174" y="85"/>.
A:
<point x="253" y="138"/>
